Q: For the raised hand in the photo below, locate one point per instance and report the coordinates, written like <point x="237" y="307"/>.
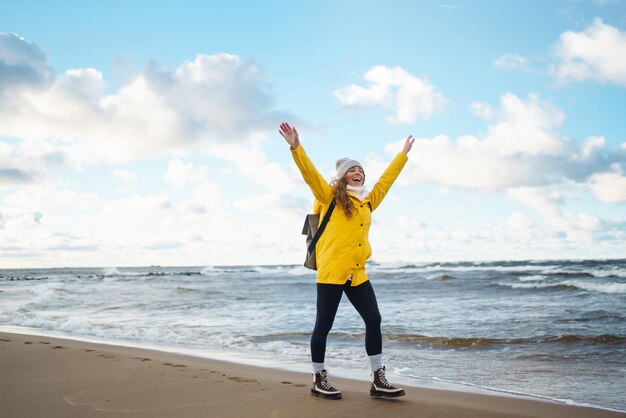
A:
<point x="408" y="144"/>
<point x="290" y="134"/>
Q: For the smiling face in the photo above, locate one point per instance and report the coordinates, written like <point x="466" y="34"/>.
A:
<point x="355" y="176"/>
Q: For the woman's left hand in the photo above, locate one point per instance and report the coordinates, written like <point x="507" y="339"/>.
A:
<point x="408" y="144"/>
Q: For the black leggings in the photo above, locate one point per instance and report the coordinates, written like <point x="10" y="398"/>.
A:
<point x="363" y="299"/>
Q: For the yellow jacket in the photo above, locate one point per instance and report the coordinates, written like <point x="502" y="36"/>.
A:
<point x="344" y="247"/>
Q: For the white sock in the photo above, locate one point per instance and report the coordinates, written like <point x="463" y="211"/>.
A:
<point x="376" y="362"/>
<point x="317" y="367"/>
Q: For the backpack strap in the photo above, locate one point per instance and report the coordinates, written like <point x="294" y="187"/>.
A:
<point x="322" y="226"/>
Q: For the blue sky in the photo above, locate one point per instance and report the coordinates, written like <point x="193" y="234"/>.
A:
<point x="136" y="133"/>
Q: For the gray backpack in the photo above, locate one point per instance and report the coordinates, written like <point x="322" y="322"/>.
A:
<point x="313" y="234"/>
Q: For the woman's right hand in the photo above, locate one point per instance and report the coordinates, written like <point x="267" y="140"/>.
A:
<point x="290" y="134"/>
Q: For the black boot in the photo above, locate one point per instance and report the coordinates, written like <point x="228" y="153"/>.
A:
<point x="382" y="388"/>
<point x="322" y="388"/>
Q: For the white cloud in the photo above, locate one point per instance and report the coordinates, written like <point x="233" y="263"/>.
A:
<point x="510" y="62"/>
<point x="49" y="197"/>
<point x="517" y="149"/>
<point x="56" y="225"/>
<point x="590" y="146"/>
<point x="519" y="221"/>
<point x="21" y="62"/>
<point x="520" y="127"/>
<point x="408" y="95"/>
<point x="597" y="54"/>
<point x="546" y="201"/>
<point x="521" y="152"/>
<point x="213" y="99"/>
<point x="124" y="175"/>
<point x="518" y="236"/>
<point x="27" y="163"/>
<point x="180" y="173"/>
<point x="609" y="187"/>
<point x="277" y="205"/>
<point x="251" y="163"/>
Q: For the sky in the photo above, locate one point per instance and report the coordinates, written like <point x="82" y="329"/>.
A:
<point x="146" y="133"/>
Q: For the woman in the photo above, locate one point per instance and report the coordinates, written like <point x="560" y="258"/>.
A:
<point x="341" y="253"/>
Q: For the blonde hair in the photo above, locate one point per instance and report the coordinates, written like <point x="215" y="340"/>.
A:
<point x="342" y="198"/>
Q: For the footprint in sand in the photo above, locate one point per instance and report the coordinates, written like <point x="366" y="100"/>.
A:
<point x="298" y="385"/>
<point x="106" y="356"/>
<point x="56" y="347"/>
<point x="88" y="350"/>
<point x="43" y="342"/>
<point x="242" y="380"/>
<point x="5" y="341"/>
<point x="174" y="365"/>
<point x="28" y="342"/>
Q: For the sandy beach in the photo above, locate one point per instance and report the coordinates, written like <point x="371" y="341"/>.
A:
<point x="51" y="377"/>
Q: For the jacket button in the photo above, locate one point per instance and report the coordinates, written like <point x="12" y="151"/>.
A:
<point x="361" y="224"/>
<point x="357" y="265"/>
<point x="359" y="245"/>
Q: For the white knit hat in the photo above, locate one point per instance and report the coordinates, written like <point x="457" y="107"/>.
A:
<point x="345" y="164"/>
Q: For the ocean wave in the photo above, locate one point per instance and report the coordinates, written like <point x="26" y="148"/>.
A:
<point x="24" y="278"/>
<point x="441" y="277"/>
<point x="284" y="336"/>
<point x="568" y="273"/>
<point x="213" y="270"/>
<point x="611" y="287"/>
<point x="462" y="268"/>
<point x="478" y="342"/>
<point x="532" y="278"/>
<point x="460" y="342"/>
<point x="113" y="272"/>
<point x="616" y="272"/>
<point x="597" y="315"/>
<point x="495" y="266"/>
<point x="408" y="372"/>
<point x="608" y="339"/>
<point x="539" y="285"/>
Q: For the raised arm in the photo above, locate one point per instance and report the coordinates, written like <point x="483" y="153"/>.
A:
<point x="316" y="182"/>
<point x="391" y="173"/>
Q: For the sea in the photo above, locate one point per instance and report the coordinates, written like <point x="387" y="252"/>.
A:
<point x="548" y="329"/>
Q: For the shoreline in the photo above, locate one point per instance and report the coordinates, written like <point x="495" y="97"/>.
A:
<point x="338" y="371"/>
<point x="50" y="376"/>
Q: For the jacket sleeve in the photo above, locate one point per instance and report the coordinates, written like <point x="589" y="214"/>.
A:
<point x="390" y="175"/>
<point x="320" y="187"/>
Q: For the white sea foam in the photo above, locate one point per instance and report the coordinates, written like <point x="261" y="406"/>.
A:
<point x="406" y="372"/>
<point x="616" y="288"/>
<point x="616" y="272"/>
<point x="300" y="271"/>
<point x="597" y="287"/>
<point x="532" y="278"/>
<point x="110" y="271"/>
<point x="495" y="268"/>
<point x="208" y="270"/>
<point x="530" y="285"/>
